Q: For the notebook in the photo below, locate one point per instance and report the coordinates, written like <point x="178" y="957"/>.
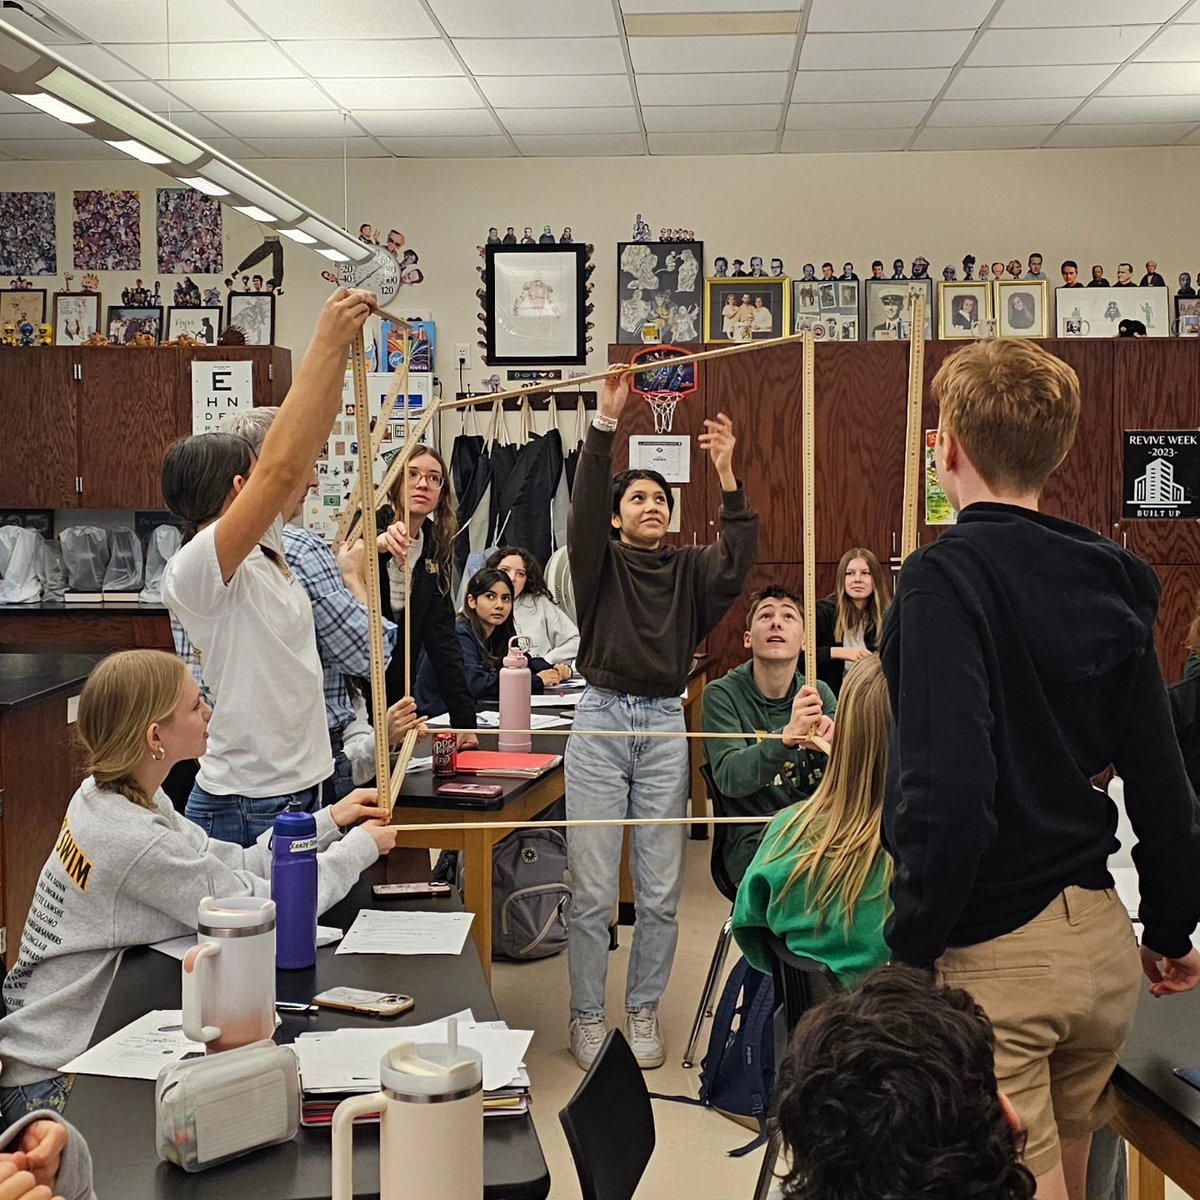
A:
<point x="497" y="762"/>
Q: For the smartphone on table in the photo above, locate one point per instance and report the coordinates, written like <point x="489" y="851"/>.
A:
<point x="409" y="890"/>
<point x="360" y="1000"/>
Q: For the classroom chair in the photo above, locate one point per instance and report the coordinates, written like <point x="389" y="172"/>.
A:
<point x="609" y="1123"/>
<point x="728" y="889"/>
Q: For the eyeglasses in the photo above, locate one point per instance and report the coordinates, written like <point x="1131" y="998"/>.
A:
<point x="433" y="478"/>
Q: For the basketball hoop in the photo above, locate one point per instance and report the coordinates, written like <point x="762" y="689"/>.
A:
<point x="662" y="385"/>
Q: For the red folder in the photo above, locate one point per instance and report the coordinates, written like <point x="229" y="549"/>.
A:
<point x="494" y="762"/>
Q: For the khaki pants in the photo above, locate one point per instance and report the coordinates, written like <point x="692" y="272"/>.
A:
<point x="1060" y="993"/>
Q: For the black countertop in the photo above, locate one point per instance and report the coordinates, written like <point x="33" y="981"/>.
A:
<point x="26" y="678"/>
<point x="61" y="607"/>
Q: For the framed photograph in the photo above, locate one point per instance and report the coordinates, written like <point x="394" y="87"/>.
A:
<point x="660" y="284"/>
<point x="534" y="305"/>
<point x="1187" y="317"/>
<point x="748" y="308"/>
<point x="76" y="317"/>
<point x="22" y="304"/>
<point x="1021" y="308"/>
<point x="887" y="308"/>
<point x="828" y="307"/>
<point x="254" y="314"/>
<point x="124" y="322"/>
<point x="962" y="308"/>
<point x="1097" y="312"/>
<point x="204" y="324"/>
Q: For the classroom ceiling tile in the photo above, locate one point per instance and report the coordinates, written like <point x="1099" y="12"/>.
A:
<point x="844" y="141"/>
<point x="1159" y="134"/>
<point x="920" y="83"/>
<point x="1154" y="79"/>
<point x="150" y="95"/>
<point x="82" y="149"/>
<point x="403" y="93"/>
<point x="1176" y="43"/>
<point x="524" y="18"/>
<point x="534" y="91"/>
<point x="230" y="95"/>
<point x="711" y="143"/>
<point x="308" y="147"/>
<point x="744" y="87"/>
<point x="211" y="60"/>
<point x="580" y="145"/>
<point x="1031" y="14"/>
<point x="706" y="6"/>
<point x="373" y="59"/>
<point x="1192" y="139"/>
<point x="1010" y="112"/>
<point x="198" y="125"/>
<point x="1029" y="47"/>
<point x="230" y="147"/>
<point x="994" y="137"/>
<point x="433" y="122"/>
<point x="1132" y="110"/>
<point x="698" y="118"/>
<point x="869" y="51"/>
<point x="322" y="19"/>
<point x="869" y="16"/>
<point x="259" y="124"/>
<point x="749" y="52"/>
<point x="529" y="56"/>
<point x="98" y="62"/>
<point x="1005" y="83"/>
<point x="568" y="120"/>
<point x="450" y="147"/>
<point x="33" y="125"/>
<point x="145" y="21"/>
<point x="901" y="115"/>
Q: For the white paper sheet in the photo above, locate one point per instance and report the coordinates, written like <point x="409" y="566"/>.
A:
<point x="491" y="720"/>
<point x="555" y="700"/>
<point x="376" y="932"/>
<point x="140" y="1050"/>
<point x="178" y="947"/>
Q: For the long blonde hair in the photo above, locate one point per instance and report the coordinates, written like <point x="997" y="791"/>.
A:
<point x="835" y="835"/>
<point x="444" y="518"/>
<point x="870" y="616"/>
<point x="124" y="695"/>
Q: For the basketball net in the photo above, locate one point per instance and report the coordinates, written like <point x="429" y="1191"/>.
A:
<point x="662" y="405"/>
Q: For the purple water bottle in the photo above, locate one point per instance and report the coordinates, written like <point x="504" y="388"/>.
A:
<point x="294" y="887"/>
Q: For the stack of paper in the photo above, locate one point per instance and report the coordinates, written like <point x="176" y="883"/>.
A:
<point x="378" y="932"/>
<point x="140" y="1050"/>
<point x="491" y="720"/>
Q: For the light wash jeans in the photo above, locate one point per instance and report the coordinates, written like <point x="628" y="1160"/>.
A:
<point x="243" y="819"/>
<point x="625" y="777"/>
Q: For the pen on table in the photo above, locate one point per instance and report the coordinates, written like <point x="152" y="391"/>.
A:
<point x="293" y="1006"/>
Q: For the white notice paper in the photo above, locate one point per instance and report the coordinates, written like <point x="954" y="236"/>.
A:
<point x="140" y="1050"/>
<point x="220" y="390"/>
<point x="491" y="720"/>
<point x="178" y="947"/>
<point x="376" y="932"/>
<point x="671" y="457"/>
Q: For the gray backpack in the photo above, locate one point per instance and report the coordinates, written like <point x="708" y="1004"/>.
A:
<point x="531" y="895"/>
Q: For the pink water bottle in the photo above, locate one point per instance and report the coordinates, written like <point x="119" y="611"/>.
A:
<point x="516" y="684"/>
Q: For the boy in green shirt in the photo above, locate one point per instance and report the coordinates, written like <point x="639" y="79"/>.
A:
<point x="760" y="777"/>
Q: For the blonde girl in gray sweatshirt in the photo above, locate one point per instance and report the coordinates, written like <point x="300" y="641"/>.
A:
<point x="128" y="870"/>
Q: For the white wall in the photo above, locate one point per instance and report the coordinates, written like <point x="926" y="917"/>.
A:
<point x="1090" y="205"/>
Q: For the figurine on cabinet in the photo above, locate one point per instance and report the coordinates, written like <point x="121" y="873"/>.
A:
<point x="968" y="266"/>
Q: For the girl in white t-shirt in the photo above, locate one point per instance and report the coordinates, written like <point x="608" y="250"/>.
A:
<point x="552" y="634"/>
<point x="230" y="587"/>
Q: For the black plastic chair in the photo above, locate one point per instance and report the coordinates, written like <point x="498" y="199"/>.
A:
<point x="728" y="889"/>
<point x="609" y="1123"/>
<point x="800" y="984"/>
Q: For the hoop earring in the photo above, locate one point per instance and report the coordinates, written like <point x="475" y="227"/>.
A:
<point x="162" y="753"/>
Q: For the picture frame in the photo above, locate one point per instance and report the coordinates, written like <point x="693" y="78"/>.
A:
<point x="660" y="284"/>
<point x="1187" y="317"/>
<point x="204" y="323"/>
<point x="827" y="307"/>
<point x="534" y="305"/>
<point x="883" y="321"/>
<point x="76" y="317"/>
<point x="22" y="304"/>
<point x="735" y="307"/>
<point x="123" y="322"/>
<point x="1097" y="312"/>
<point x="964" y="308"/>
<point x="1021" y="307"/>
<point x="254" y="314"/>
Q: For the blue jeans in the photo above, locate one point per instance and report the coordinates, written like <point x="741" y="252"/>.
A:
<point x="341" y="783"/>
<point x="243" y="819"/>
<point x="18" y="1102"/>
<point x="625" y="777"/>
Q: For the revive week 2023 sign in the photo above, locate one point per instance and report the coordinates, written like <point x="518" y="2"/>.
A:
<point x="1162" y="474"/>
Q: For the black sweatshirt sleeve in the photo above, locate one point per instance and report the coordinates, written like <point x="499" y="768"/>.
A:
<point x="939" y="809"/>
<point x="445" y="655"/>
<point x="1162" y="809"/>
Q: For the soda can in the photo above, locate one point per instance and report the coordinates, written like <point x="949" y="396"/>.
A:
<point x="445" y="753"/>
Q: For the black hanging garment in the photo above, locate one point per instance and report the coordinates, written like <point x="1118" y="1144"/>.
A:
<point x="524" y="480"/>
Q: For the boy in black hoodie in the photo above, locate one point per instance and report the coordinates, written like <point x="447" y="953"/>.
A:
<point x="1020" y="658"/>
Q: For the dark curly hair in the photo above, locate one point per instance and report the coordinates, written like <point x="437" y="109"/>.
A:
<point x="888" y="1092"/>
<point x="535" y="577"/>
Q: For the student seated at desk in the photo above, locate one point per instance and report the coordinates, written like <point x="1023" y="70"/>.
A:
<point x="484" y="629"/>
<point x="819" y="879"/>
<point x="552" y="634"/>
<point x="127" y="870"/>
<point x="41" y="1154"/>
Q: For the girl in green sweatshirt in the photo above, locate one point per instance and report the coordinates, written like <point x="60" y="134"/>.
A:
<point x="820" y="877"/>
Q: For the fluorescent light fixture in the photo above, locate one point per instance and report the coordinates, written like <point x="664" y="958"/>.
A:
<point x="202" y="185"/>
<point x="335" y="255"/>
<point x="255" y="213"/>
<point x="339" y="239"/>
<point x="56" y="108"/>
<point x="253" y="191"/>
<point x="148" y="129"/>
<point x="16" y="55"/>
<point x="140" y="152"/>
<point x="298" y="235"/>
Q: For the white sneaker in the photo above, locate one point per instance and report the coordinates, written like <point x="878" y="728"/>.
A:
<point x="587" y="1036"/>
<point x="645" y="1038"/>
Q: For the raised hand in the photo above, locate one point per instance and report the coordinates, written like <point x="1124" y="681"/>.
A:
<point x="615" y="391"/>
<point x="807" y="714"/>
<point x="719" y="441"/>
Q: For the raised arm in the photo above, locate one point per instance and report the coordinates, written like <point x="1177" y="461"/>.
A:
<point x="298" y="432"/>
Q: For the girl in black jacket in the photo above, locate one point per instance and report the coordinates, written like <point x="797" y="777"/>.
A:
<point x="850" y="622"/>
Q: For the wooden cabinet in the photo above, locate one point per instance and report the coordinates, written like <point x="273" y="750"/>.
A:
<point x="87" y="427"/>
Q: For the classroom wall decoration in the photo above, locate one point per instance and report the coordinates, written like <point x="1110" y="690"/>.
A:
<point x="28" y="246"/>
<point x="660" y="284"/>
<point x="1097" y="312"/>
<point x="1162" y="474"/>
<point x="188" y="226"/>
<point x="107" y="230"/>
